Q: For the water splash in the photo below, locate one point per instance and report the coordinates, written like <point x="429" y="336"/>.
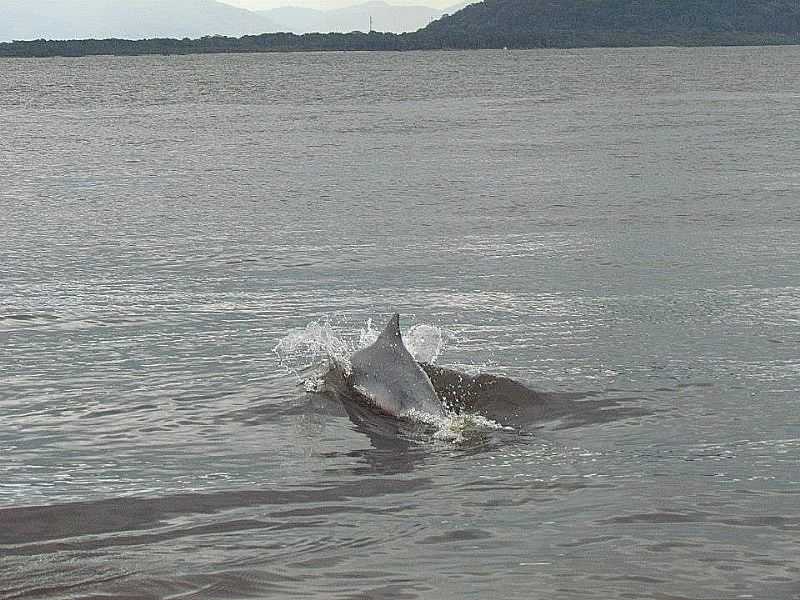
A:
<point x="309" y="352"/>
<point x="426" y="343"/>
<point x="367" y="334"/>
<point x="330" y="342"/>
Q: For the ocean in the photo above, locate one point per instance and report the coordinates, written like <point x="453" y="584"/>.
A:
<point x="186" y="243"/>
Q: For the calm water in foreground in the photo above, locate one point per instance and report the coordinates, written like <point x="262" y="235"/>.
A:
<point x="618" y="228"/>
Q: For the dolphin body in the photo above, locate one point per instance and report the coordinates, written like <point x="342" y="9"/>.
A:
<point x="389" y="377"/>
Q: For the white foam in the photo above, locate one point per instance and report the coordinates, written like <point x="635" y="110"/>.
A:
<point x="457" y="429"/>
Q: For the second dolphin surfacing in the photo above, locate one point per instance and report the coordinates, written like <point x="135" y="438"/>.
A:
<point x="389" y="377"/>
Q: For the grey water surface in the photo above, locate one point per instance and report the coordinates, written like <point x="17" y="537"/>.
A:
<point x="619" y="229"/>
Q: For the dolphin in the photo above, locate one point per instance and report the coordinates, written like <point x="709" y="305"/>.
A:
<point x="389" y="377"/>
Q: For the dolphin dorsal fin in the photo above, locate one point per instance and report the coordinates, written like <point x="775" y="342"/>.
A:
<point x="392" y="331"/>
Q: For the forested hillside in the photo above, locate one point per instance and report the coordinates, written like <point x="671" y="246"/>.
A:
<point x="532" y="23"/>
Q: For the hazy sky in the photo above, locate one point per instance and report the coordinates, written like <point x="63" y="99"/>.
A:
<point x="256" y="4"/>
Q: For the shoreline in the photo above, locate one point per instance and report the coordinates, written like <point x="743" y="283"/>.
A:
<point x="375" y="42"/>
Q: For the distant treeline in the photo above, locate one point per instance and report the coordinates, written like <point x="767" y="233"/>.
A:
<point x="267" y="42"/>
<point x="498" y="24"/>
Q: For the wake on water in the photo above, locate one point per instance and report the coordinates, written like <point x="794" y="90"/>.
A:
<point x="327" y="344"/>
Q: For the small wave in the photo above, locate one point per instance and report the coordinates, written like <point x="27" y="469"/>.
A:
<point x="27" y="317"/>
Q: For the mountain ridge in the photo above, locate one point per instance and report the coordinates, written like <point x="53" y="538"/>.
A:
<point x="384" y="17"/>
<point x="71" y="19"/>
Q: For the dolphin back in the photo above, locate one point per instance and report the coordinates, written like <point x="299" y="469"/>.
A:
<point x="388" y="375"/>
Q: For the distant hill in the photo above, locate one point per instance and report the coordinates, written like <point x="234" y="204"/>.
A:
<point x="487" y="24"/>
<point x="385" y="17"/>
<point x="532" y="23"/>
<point x="133" y="19"/>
